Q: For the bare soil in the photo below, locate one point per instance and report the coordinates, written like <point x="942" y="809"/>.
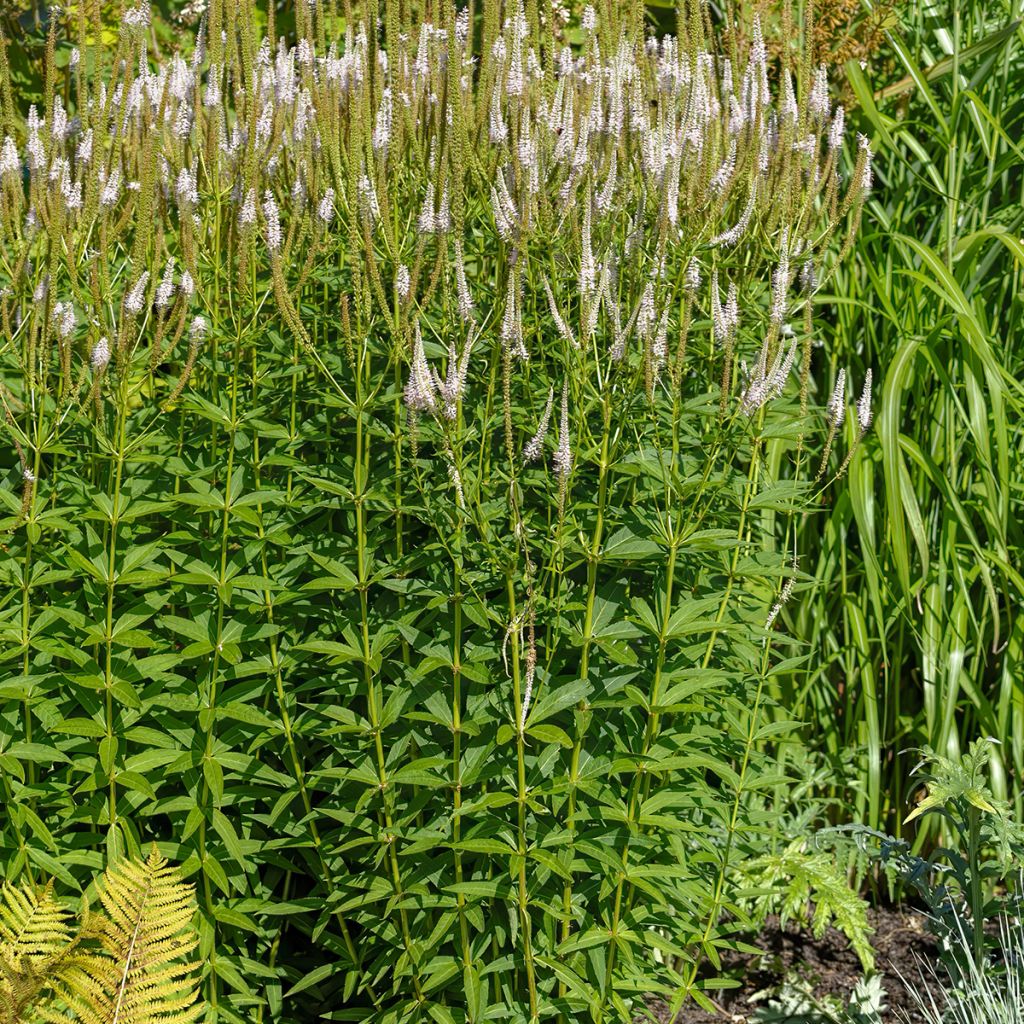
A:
<point x="900" y="941"/>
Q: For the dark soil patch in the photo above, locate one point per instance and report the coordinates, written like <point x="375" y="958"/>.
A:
<point x="828" y="964"/>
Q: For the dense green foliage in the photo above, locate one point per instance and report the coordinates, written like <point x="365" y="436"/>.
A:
<point x="917" y="639"/>
<point x="441" y="713"/>
<point x="430" y="515"/>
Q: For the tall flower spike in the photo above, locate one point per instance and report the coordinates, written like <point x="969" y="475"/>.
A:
<point x="836" y="408"/>
<point x="562" y="461"/>
<point x="419" y="391"/>
<point x="780" y="282"/>
<point x="247" y="215"/>
<point x="382" y="125"/>
<point x="864" y="405"/>
<point x="462" y="287"/>
<point x="403" y="282"/>
<point x="719" y="325"/>
<point x="325" y="209"/>
<point x="693" y="276"/>
<point x="100" y="355"/>
<point x="454" y="384"/>
<point x="273" y="219"/>
<point x="564" y="330"/>
<point x="136" y="297"/>
<point x="836" y="129"/>
<point x="866" y="178"/>
<point x="732" y="309"/>
<point x="165" y="290"/>
<point x="535" y="446"/>
<point x="426" y="221"/>
<point x="10" y="162"/>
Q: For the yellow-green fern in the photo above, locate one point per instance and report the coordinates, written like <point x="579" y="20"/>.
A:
<point x="36" y="944"/>
<point x="141" y="973"/>
<point x="127" y="963"/>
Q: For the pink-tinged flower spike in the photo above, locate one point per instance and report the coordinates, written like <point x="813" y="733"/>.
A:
<point x="504" y="226"/>
<point x="273" y="220"/>
<point x="724" y="321"/>
<point x="419" y="391"/>
<point x="562" y="460"/>
<point x="864" y="406"/>
<point x="453" y="386"/>
<point x="247" y="215"/>
<point x="729" y="238"/>
<point x="382" y="125"/>
<point x="100" y="356"/>
<point x="111" y="188"/>
<point x="403" y="282"/>
<point x="165" y="290"/>
<point x="867" y="176"/>
<point x="325" y="209"/>
<point x="465" y="298"/>
<point x="497" y="129"/>
<point x="534" y="448"/>
<point x="83" y="152"/>
<point x="185" y="189"/>
<point x="836" y="408"/>
<point x="530" y="675"/>
<point x="836" y="129"/>
<point x="136" y="297"/>
<point x="10" y="162"/>
<point x="511" y="324"/>
<point x="818" y="101"/>
<point x="780" y="282"/>
<point x="426" y="219"/>
<point x="692" y="276"/>
<point x="64" y="318"/>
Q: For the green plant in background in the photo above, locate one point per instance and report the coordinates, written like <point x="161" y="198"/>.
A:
<point x="806" y="885"/>
<point x="411" y="432"/>
<point x="917" y="643"/>
<point x="963" y="882"/>
<point x="124" y="963"/>
<point x="957" y="792"/>
<point x="795" y="875"/>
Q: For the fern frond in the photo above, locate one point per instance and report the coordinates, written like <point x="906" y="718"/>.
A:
<point x="800" y="880"/>
<point x="35" y="939"/>
<point x="142" y="974"/>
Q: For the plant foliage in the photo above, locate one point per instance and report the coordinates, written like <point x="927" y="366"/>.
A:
<point x="410" y="433"/>
<point x="123" y="965"/>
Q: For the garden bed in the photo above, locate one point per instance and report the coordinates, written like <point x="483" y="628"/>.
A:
<point x="828" y="964"/>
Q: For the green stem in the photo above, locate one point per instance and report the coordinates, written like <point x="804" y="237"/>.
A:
<point x="373" y="700"/>
<point x="582" y="711"/>
<point x="108" y="744"/>
<point x="521" y="791"/>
